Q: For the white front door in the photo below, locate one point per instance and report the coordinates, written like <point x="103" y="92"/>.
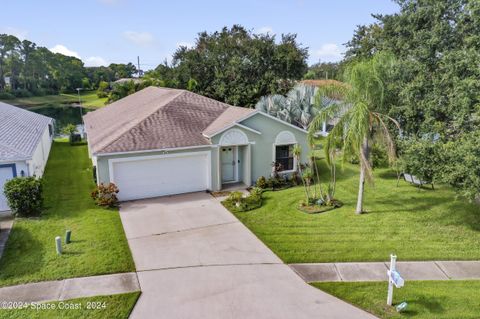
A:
<point x="6" y="173"/>
<point x="228" y="163"/>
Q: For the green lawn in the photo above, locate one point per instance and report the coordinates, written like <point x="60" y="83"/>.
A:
<point x="99" y="245"/>
<point x="112" y="307"/>
<point x="426" y="299"/>
<point x="88" y="98"/>
<point x="415" y="224"/>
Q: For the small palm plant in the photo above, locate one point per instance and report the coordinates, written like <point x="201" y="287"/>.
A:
<point x="358" y="122"/>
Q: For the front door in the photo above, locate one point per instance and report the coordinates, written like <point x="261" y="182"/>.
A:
<point x="5" y="175"/>
<point x="228" y="164"/>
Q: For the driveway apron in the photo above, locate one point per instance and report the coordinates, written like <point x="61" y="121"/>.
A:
<point x="194" y="259"/>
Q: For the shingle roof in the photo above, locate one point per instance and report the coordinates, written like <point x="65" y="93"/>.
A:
<point x="232" y="114"/>
<point x="153" y="118"/>
<point x="20" y="132"/>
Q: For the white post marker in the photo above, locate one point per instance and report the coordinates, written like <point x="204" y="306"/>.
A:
<point x="394" y="278"/>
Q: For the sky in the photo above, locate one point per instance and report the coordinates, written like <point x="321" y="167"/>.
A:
<point x="101" y="32"/>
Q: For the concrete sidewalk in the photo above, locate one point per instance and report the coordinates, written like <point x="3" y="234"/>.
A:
<point x="377" y="271"/>
<point x="71" y="288"/>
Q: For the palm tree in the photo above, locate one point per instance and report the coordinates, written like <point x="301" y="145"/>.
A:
<point x="301" y="99"/>
<point x="358" y="123"/>
<point x="297" y="108"/>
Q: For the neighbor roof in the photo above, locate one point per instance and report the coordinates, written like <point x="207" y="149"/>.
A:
<point x="20" y="132"/>
<point x="153" y="118"/>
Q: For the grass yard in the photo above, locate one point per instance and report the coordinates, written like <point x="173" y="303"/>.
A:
<point x="426" y="299"/>
<point x="98" y="243"/>
<point x="415" y="224"/>
<point x="115" y="306"/>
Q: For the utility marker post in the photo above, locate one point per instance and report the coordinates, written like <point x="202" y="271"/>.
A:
<point x="393" y="262"/>
<point x="394" y="278"/>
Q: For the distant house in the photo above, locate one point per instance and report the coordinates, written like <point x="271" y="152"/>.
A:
<point x="125" y="80"/>
<point x="161" y="141"/>
<point x="25" y="141"/>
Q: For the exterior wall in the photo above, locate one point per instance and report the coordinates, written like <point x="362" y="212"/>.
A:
<point x="262" y="151"/>
<point x="103" y="173"/>
<point x="36" y="166"/>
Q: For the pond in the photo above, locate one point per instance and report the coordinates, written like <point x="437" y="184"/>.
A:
<point x="62" y="114"/>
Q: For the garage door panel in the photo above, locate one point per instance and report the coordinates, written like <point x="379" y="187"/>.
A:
<point x="151" y="177"/>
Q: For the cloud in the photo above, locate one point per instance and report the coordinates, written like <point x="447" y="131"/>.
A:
<point x="185" y="44"/>
<point x="329" y="52"/>
<point x="139" y="38"/>
<point x="95" y="61"/>
<point x="265" y="30"/>
<point x="19" y="33"/>
<point x="59" y="48"/>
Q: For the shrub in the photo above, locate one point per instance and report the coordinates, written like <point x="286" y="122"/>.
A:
<point x="294" y="178"/>
<point x="261" y="182"/>
<point x="256" y="193"/>
<point x="106" y="195"/>
<point x="24" y="196"/>
<point x="236" y="197"/>
<point x="236" y="202"/>
<point x="6" y="96"/>
<point x="22" y="93"/>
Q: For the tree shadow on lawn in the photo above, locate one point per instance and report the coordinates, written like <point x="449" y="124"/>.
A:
<point x="18" y="260"/>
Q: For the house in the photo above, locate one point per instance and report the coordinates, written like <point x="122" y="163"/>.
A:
<point x="162" y="141"/>
<point x="25" y="141"/>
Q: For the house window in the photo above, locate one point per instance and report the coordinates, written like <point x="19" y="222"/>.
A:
<point x="284" y="157"/>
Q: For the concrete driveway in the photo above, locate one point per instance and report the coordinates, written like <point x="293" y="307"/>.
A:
<point x="194" y="259"/>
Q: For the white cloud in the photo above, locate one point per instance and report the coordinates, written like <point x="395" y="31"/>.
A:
<point x="185" y="44"/>
<point x="265" y="30"/>
<point x="59" y="48"/>
<point x="329" y="52"/>
<point x="139" y="38"/>
<point x="95" y="61"/>
<point x="19" y="33"/>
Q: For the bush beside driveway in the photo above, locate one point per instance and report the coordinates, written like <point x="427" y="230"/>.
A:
<point x="98" y="243"/>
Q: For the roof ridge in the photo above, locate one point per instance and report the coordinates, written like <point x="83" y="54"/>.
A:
<point x="139" y="121"/>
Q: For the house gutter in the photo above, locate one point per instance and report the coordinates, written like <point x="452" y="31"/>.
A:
<point x="173" y="149"/>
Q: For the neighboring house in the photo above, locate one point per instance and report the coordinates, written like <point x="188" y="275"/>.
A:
<point x="25" y="141"/>
<point x="162" y="141"/>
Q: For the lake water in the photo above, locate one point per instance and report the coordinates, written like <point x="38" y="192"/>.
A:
<point x="63" y="115"/>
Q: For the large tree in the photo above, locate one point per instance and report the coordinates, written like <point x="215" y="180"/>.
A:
<point x="237" y="66"/>
<point x="438" y="46"/>
<point x="434" y="94"/>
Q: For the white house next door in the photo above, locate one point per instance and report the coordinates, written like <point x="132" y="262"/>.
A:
<point x="228" y="163"/>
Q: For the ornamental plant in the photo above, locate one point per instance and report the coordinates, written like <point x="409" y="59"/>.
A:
<point x="106" y="195"/>
<point x="24" y="196"/>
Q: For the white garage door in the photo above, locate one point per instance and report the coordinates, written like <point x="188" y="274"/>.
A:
<point x="161" y="175"/>
<point x="6" y="173"/>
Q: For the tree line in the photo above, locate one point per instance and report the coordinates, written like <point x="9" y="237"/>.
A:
<point x="27" y="69"/>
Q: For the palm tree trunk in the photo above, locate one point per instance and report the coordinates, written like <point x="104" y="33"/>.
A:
<point x="361" y="185"/>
